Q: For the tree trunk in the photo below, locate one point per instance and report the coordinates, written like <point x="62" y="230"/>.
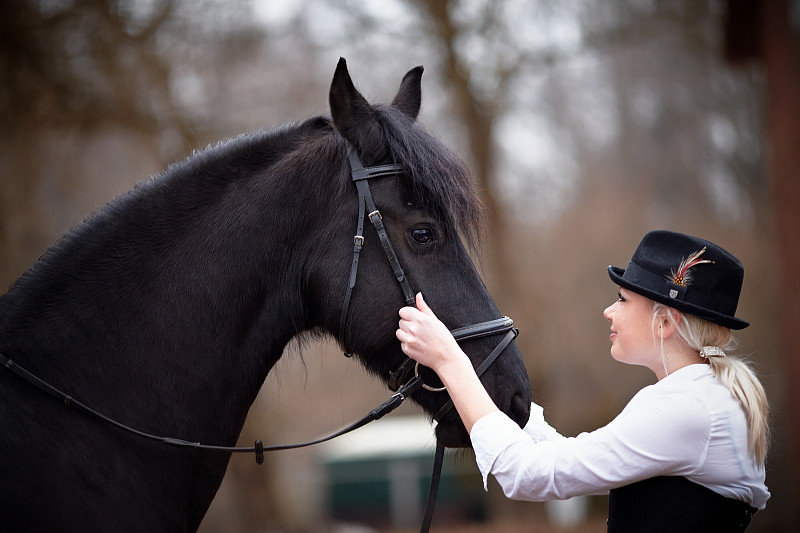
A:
<point x="479" y="120"/>
<point x="781" y="57"/>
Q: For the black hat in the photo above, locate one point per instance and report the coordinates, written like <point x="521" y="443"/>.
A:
<point x="688" y="273"/>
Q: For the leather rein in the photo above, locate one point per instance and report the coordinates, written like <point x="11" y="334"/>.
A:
<point x="401" y="381"/>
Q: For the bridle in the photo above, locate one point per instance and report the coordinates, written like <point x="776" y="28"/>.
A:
<point x="361" y="176"/>
<point x="401" y="379"/>
<point x="404" y="381"/>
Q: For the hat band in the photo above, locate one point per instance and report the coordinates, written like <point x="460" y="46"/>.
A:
<point x="653" y="282"/>
<point x="658" y="284"/>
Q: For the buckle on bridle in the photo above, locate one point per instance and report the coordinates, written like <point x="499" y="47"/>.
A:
<point x="425" y="385"/>
<point x="397" y="378"/>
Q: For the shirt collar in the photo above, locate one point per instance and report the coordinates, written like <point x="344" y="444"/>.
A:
<point x="687" y="373"/>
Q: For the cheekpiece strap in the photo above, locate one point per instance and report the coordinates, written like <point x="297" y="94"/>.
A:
<point x="367" y="209"/>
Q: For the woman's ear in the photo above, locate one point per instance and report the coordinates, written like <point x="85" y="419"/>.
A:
<point x="667" y="322"/>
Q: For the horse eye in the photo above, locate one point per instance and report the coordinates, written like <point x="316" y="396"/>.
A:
<point x="423" y="235"/>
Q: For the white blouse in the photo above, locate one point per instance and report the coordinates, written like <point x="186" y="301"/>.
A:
<point x="688" y="424"/>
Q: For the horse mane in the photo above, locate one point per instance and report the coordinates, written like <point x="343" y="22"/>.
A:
<point x="206" y="171"/>
<point x="435" y="174"/>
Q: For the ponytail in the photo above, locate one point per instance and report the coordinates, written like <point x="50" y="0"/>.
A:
<point x="732" y="371"/>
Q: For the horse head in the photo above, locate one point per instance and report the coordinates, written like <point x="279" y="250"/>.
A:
<point x="425" y="208"/>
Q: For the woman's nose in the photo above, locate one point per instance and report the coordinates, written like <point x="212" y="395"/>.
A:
<point x="608" y="312"/>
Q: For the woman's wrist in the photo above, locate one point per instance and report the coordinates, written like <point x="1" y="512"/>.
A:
<point x="454" y="365"/>
<point x="466" y="390"/>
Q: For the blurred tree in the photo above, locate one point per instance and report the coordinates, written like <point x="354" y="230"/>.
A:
<point x="478" y="112"/>
<point x="585" y="123"/>
<point x="552" y="95"/>
<point x="73" y="70"/>
<point x="769" y="32"/>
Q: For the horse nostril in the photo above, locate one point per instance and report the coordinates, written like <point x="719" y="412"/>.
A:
<point x="520" y="409"/>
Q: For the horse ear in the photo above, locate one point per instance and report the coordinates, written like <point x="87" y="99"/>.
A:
<point x="349" y="109"/>
<point x="409" y="96"/>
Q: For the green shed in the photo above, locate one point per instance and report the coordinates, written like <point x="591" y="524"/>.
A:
<point x="380" y="474"/>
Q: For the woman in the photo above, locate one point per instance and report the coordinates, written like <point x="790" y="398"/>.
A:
<point x="687" y="453"/>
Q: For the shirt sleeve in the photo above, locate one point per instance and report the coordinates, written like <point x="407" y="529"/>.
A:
<point x="656" y="434"/>
<point x="537" y="428"/>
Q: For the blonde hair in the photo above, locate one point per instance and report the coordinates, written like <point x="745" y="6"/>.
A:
<point x="733" y="371"/>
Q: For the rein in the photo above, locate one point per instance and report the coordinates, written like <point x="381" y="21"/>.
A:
<point x="388" y="406"/>
<point x="478" y="330"/>
<point x="401" y="380"/>
<point x="483" y="329"/>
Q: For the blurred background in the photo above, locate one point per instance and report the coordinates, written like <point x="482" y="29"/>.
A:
<point x="585" y="123"/>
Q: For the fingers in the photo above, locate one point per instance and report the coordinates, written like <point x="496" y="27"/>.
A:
<point x="417" y="329"/>
<point x="401" y="333"/>
<point x="409" y="313"/>
<point x="422" y="305"/>
<point x="409" y="342"/>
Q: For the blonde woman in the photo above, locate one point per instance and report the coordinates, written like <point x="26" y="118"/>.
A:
<point x="687" y="453"/>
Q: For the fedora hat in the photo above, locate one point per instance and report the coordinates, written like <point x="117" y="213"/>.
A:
<point x="687" y="273"/>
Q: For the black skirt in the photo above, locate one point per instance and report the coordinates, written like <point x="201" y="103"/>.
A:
<point x="674" y="505"/>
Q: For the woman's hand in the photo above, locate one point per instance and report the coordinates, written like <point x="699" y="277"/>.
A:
<point x="424" y="338"/>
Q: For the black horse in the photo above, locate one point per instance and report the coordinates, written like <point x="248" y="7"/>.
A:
<point x="166" y="309"/>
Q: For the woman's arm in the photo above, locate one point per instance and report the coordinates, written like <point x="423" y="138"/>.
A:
<point x="424" y="338"/>
<point x="660" y="432"/>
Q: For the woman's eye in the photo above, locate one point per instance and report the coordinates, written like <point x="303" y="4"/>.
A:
<point x="423" y="235"/>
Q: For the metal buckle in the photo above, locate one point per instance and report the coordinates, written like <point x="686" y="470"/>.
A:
<point x="425" y="386"/>
<point x="358" y="241"/>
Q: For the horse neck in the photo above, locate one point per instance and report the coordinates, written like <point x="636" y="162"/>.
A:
<point x="188" y="310"/>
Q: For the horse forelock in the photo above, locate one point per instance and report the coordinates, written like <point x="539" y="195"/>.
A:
<point x="438" y="178"/>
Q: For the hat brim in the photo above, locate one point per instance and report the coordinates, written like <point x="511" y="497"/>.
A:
<point x="616" y="274"/>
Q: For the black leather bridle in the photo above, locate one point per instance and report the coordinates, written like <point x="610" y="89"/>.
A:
<point x="401" y="380"/>
<point x="404" y="381"/>
<point x="400" y="376"/>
